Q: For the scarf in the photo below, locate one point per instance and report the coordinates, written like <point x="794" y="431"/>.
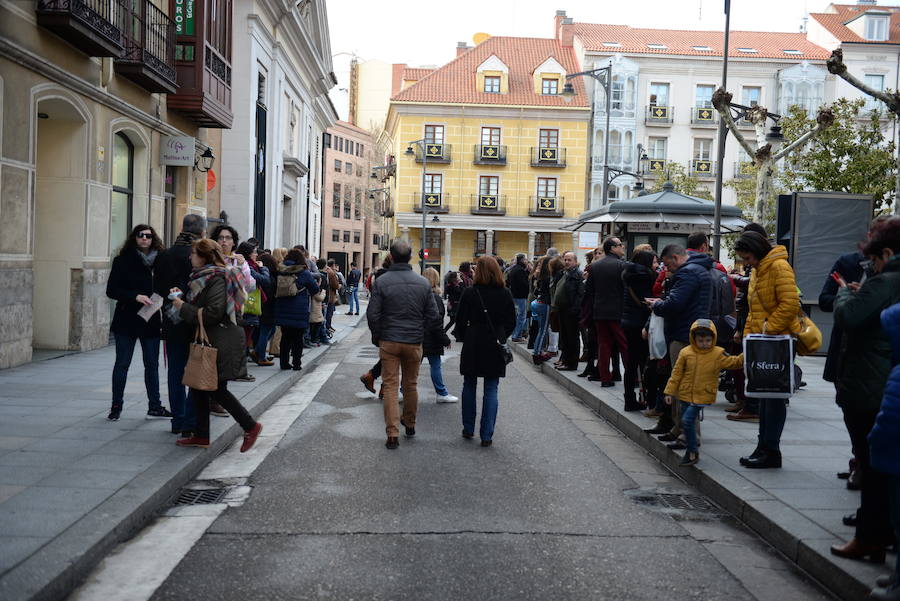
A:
<point x="148" y="258"/>
<point x="233" y="287"/>
<point x="185" y="239"/>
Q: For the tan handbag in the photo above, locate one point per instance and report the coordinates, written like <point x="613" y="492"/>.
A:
<point x="809" y="338"/>
<point x="201" y="371"/>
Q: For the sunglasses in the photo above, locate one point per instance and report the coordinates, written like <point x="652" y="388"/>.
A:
<point x="145" y="235"/>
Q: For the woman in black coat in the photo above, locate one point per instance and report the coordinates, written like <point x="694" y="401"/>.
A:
<point x="485" y="319"/>
<point x="130" y="284"/>
<point x="434" y="342"/>
<point x="267" y="318"/>
<point x="638" y="278"/>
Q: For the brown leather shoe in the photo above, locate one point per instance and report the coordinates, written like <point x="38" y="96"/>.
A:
<point x="265" y="363"/>
<point x="743" y="416"/>
<point x="392" y="442"/>
<point x="368" y="380"/>
<point x="217" y="409"/>
<point x="857" y="550"/>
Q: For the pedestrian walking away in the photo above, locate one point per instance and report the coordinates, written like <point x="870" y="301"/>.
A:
<point x="353" y="280"/>
<point x="216" y="289"/>
<point x="486" y="319"/>
<point x="435" y="342"/>
<point x="517" y="280"/>
<point x="401" y="310"/>
<point x="131" y="285"/>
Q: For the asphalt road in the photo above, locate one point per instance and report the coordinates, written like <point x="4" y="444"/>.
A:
<point x="545" y="513"/>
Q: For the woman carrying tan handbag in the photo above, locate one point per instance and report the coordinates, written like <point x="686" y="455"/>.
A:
<point x="215" y="295"/>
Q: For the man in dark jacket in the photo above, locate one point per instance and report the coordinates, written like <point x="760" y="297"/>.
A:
<point x="173" y="271"/>
<point x="517" y="280"/>
<point x="605" y="287"/>
<point x="567" y="305"/>
<point x="353" y="278"/>
<point x="851" y="268"/>
<point x="400" y="311"/>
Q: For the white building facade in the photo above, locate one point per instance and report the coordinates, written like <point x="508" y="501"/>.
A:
<point x="273" y="154"/>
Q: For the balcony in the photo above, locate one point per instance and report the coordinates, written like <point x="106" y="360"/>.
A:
<point x="149" y="58"/>
<point x="96" y="27"/>
<point x="657" y="166"/>
<point x="702" y="116"/>
<point x="659" y="115"/>
<point x="548" y="157"/>
<point x="489" y="154"/>
<point x="546" y="206"/>
<point x="743" y="169"/>
<point x="435" y="202"/>
<point x="488" y="204"/>
<point x="703" y="168"/>
<point x="433" y="153"/>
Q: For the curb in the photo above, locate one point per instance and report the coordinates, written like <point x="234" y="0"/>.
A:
<point x="799" y="539"/>
<point x="55" y="570"/>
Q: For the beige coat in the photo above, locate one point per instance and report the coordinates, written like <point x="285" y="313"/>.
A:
<point x="315" y="309"/>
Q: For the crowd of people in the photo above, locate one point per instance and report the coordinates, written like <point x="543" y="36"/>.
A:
<point x="255" y="305"/>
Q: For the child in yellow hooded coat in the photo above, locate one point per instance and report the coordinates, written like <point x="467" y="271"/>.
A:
<point x="695" y="379"/>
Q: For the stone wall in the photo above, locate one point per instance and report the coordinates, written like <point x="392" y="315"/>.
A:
<point x="90" y="308"/>
<point x="16" y="286"/>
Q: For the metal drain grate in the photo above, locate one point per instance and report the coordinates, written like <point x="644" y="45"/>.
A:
<point x="200" y="497"/>
<point x="694" y="502"/>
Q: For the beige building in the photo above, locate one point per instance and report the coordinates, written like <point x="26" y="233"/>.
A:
<point x="353" y="209"/>
<point x="102" y="127"/>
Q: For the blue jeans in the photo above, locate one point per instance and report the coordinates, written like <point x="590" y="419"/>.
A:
<point x="488" y="405"/>
<point x="521" y="308"/>
<point x="437" y="376"/>
<point x="180" y="402"/>
<point x="689" y="416"/>
<point x="540" y="311"/>
<point x="354" y="299"/>
<point x="772" y="415"/>
<point x="124" y="353"/>
<point x="265" y="331"/>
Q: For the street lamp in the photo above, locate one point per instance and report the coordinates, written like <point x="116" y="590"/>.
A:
<point x="204" y="162"/>
<point x="412" y="153"/>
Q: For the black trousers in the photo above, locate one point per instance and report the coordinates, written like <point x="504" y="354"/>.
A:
<point x="222" y="396"/>
<point x="291" y="347"/>
<point x="636" y="360"/>
<point x="873" y="525"/>
<point x="569" y="340"/>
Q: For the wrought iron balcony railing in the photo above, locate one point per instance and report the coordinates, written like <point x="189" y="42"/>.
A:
<point x="659" y="115"/>
<point x="489" y="204"/>
<point x="490" y="154"/>
<point x="96" y="27"/>
<point x="435" y="202"/>
<point x="553" y="156"/>
<point x="149" y="58"/>
<point x="546" y="206"/>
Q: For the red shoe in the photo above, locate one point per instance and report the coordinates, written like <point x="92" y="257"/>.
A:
<point x="193" y="441"/>
<point x="250" y="437"/>
<point x="368" y="380"/>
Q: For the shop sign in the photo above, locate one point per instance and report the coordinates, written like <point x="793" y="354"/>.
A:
<point x="184" y="17"/>
<point x="666" y="228"/>
<point x="176" y="151"/>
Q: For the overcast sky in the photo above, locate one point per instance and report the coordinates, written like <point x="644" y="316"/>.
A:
<point x="418" y="33"/>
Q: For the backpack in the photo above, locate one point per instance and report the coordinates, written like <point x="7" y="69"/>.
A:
<point x="287" y="285"/>
<point x="721" y="301"/>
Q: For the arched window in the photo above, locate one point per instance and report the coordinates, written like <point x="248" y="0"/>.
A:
<point x="122" y="192"/>
<point x="618" y="92"/>
<point x="629" y="93"/>
<point x="615" y="147"/>
<point x="628" y="148"/>
<point x="803" y="94"/>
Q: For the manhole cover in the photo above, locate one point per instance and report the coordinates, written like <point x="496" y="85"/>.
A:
<point x="200" y="497"/>
<point x="683" y="505"/>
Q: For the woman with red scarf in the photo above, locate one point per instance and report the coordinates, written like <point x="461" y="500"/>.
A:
<point x="217" y="289"/>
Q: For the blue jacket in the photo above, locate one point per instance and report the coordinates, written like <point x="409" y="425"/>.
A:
<point x="884" y="439"/>
<point x="293" y="311"/>
<point x="688" y="298"/>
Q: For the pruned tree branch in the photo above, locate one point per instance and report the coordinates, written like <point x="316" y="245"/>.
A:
<point x="721" y="101"/>
<point x="824" y="119"/>
<point x="837" y="67"/>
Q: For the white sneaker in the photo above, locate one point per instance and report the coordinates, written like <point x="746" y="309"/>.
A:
<point x="446" y="398"/>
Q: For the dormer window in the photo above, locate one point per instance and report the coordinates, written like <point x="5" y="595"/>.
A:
<point x="550" y="86"/>
<point x="656" y="46"/>
<point x="492" y="84"/>
<point x="877" y="27"/>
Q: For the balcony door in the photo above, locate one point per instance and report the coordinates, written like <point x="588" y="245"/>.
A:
<point x="659" y="94"/>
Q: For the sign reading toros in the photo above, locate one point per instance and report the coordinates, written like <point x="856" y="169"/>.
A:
<point x="184" y="17"/>
<point x="176" y="151"/>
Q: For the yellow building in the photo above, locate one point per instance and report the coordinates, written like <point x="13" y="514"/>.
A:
<point x="499" y="154"/>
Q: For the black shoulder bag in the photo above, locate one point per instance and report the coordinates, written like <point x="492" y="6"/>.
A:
<point x="504" y="349"/>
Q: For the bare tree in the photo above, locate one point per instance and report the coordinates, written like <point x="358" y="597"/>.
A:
<point x="890" y="99"/>
<point x="763" y="156"/>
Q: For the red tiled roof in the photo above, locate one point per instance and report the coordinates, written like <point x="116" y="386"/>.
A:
<point x="834" y="22"/>
<point x="415" y="73"/>
<point x="455" y="81"/>
<point x="682" y="42"/>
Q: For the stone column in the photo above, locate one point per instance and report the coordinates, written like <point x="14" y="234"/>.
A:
<point x="531" y="240"/>
<point x="447" y="251"/>
<point x="575" y="244"/>
<point x="489" y="242"/>
<point x="404" y="232"/>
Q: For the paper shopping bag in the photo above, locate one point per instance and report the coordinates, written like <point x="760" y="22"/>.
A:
<point x="769" y="366"/>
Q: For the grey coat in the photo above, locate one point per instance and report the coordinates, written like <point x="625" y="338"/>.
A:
<point x="401" y="307"/>
<point x="228" y="338"/>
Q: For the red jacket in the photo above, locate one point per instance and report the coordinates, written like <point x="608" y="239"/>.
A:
<point x="661" y="278"/>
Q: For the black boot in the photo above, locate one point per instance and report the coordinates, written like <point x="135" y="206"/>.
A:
<point x="631" y="403"/>
<point x="767" y="458"/>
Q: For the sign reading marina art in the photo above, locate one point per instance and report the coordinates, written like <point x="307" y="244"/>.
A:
<point x="184" y="17"/>
<point x="666" y="228"/>
<point x="176" y="151"/>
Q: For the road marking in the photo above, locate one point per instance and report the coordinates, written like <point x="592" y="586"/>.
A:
<point x="150" y="557"/>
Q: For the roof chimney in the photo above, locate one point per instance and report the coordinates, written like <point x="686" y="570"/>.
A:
<point x="566" y="32"/>
<point x="557" y="21"/>
<point x="397" y="77"/>
<point x="461" y="47"/>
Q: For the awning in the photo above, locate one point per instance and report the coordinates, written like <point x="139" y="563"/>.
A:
<point x="595" y="224"/>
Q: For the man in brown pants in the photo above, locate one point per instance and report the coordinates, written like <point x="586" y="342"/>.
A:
<point x="401" y="309"/>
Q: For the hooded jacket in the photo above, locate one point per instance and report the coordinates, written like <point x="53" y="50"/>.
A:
<point x="773" y="297"/>
<point x="695" y="378"/>
<point x="884" y="439"/>
<point x="866" y="358"/>
<point x="293" y="311"/>
<point x="688" y="299"/>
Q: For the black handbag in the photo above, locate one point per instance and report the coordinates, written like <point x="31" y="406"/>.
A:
<point x="505" y="351"/>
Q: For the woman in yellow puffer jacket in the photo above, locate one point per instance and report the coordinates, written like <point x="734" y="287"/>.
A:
<point x="774" y="309"/>
<point x="695" y="379"/>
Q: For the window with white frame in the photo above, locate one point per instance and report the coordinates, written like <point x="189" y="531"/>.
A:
<point x="876" y="82"/>
<point x="750" y="95"/>
<point x="702" y="149"/>
<point x="492" y="84"/>
<point x="703" y="96"/>
<point x="657" y="148"/>
<point x="659" y="94"/>
<point x="549" y="86"/>
<point x="877" y="28"/>
<point x="433" y="183"/>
